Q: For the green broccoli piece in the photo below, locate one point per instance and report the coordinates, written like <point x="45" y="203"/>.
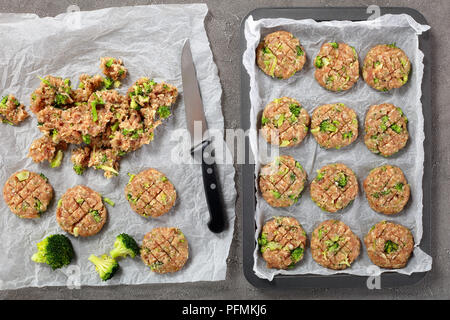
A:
<point x="105" y="266"/>
<point x="334" y="45"/>
<point x="108" y="83"/>
<point x="124" y="246"/>
<point x="327" y="126"/>
<point x="318" y="62"/>
<point x="164" y="112"/>
<point x="55" y="250"/>
<point x="79" y="170"/>
<point x="299" y="51"/>
<point x="56" y="162"/>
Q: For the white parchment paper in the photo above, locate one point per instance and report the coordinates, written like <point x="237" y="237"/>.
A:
<point x="400" y="29"/>
<point x="149" y="39"/>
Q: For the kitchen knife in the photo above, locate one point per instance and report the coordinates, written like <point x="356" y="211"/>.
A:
<point x="195" y="117"/>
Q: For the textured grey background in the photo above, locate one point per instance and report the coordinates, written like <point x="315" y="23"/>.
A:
<point x="222" y="25"/>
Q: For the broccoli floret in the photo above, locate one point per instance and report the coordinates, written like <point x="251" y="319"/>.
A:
<point x="55" y="250"/>
<point x="124" y="246"/>
<point x="105" y="266"/>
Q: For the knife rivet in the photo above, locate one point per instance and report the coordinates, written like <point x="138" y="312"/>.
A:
<point x="209" y="170"/>
<point x="212" y="186"/>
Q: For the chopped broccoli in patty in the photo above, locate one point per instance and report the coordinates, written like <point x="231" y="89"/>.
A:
<point x="105" y="266"/>
<point x="124" y="246"/>
<point x="327" y="126"/>
<point x="55" y="250"/>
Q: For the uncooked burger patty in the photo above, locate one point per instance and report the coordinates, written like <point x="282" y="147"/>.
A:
<point x="337" y="66"/>
<point x="334" y="188"/>
<point x="280" y="55"/>
<point x="282" y="181"/>
<point x="27" y="194"/>
<point x="150" y="193"/>
<point x="284" y="122"/>
<point x="386" y="67"/>
<point x="81" y="212"/>
<point x="282" y="242"/>
<point x="165" y="250"/>
<point x="334" y="125"/>
<point x="389" y="245"/>
<point x="387" y="190"/>
<point x="334" y="245"/>
<point x="386" y="129"/>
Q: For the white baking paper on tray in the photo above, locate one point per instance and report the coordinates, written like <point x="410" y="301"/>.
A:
<point x="149" y="39"/>
<point x="400" y="29"/>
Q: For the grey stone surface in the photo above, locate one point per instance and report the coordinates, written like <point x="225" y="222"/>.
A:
<point x="222" y="25"/>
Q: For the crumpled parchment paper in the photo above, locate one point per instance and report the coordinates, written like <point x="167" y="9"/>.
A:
<point x="149" y="39"/>
<point x="400" y="29"/>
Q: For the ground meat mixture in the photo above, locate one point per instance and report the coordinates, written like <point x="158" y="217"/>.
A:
<point x="389" y="245"/>
<point x="334" y="245"/>
<point x="81" y="212"/>
<point x="113" y="68"/>
<point x="150" y="193"/>
<point x="337" y="66"/>
<point x="282" y="242"/>
<point x="334" y="125"/>
<point x="280" y="55"/>
<point x="27" y="194"/>
<point x="284" y="122"/>
<point x="386" y="67"/>
<point x="282" y="181"/>
<point x="103" y="123"/>
<point x="12" y="111"/>
<point x="165" y="250"/>
<point x="334" y="188"/>
<point x="387" y="190"/>
<point x="386" y="129"/>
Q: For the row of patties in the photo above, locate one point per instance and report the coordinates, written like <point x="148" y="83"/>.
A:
<point x="283" y="243"/>
<point x="285" y="123"/>
<point x="282" y="181"/>
<point x="280" y="55"/>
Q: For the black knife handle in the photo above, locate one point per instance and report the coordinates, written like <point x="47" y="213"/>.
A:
<point x="217" y="222"/>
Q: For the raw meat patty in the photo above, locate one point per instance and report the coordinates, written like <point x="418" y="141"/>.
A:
<point x="389" y="245"/>
<point x="150" y="193"/>
<point x="334" y="188"/>
<point x="282" y="242"/>
<point x="282" y="181"/>
<point x="165" y="250"/>
<point x="27" y="194"/>
<point x="334" y="245"/>
<point x="81" y="212"/>
<point x="280" y="55"/>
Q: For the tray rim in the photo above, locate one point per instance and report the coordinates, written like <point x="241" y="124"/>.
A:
<point x="388" y="279"/>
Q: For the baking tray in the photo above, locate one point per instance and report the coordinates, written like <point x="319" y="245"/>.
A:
<point x="248" y="199"/>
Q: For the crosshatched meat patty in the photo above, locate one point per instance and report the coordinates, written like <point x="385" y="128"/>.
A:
<point x="280" y="55"/>
<point x="165" y="250"/>
<point x="386" y="67"/>
<point x="282" y="242"/>
<point x="334" y="125"/>
<point x="282" y="181"/>
<point x="386" y="129"/>
<point x="337" y="66"/>
<point x="27" y="194"/>
<point x="334" y="245"/>
<point x="389" y="245"/>
<point x="387" y="190"/>
<point x="81" y="212"/>
<point x="284" y="122"/>
<point x="334" y="188"/>
<point x="150" y="193"/>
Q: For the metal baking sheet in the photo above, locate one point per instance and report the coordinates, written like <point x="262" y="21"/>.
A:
<point x="248" y="199"/>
